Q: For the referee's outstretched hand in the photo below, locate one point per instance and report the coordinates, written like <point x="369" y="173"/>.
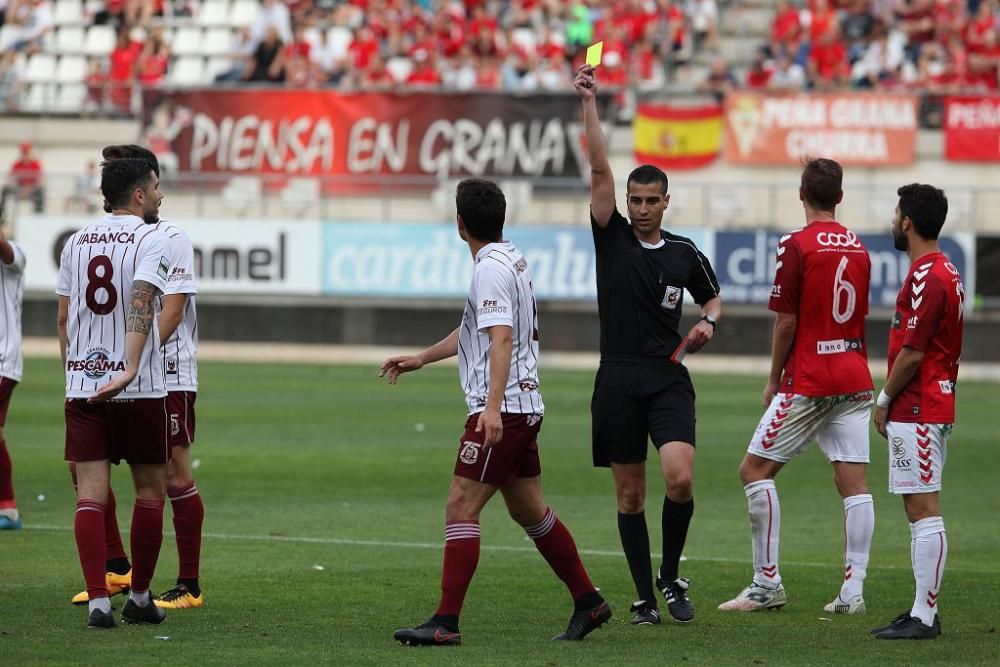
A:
<point x="699" y="335"/>
<point x="585" y="82"/>
<point x="393" y="367"/>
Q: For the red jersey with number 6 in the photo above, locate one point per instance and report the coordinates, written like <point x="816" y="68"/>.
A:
<point x="929" y="318"/>
<point x="821" y="277"/>
<point x="97" y="267"/>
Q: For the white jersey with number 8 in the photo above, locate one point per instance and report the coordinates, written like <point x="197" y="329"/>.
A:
<point x="96" y="270"/>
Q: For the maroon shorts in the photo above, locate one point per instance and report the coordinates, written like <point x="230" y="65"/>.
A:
<point x="135" y="430"/>
<point x="180" y="410"/>
<point x="6" y="389"/>
<point x="515" y="456"/>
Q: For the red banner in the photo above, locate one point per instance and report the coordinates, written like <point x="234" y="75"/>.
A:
<point x="320" y="133"/>
<point x="852" y="128"/>
<point x="972" y="129"/>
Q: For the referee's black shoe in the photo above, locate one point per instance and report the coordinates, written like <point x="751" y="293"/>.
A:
<point x="148" y="613"/>
<point x="645" y="613"/>
<point x="585" y="621"/>
<point x="678" y="603"/>
<point x="431" y="633"/>
<point x="905" y="626"/>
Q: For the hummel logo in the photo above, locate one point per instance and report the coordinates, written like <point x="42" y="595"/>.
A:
<point x="915" y="303"/>
<point x="923" y="430"/>
<point x="920" y="275"/>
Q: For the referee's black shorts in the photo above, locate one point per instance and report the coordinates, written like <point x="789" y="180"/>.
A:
<point x="634" y="402"/>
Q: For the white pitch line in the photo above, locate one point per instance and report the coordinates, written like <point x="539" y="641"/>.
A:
<point x="495" y="547"/>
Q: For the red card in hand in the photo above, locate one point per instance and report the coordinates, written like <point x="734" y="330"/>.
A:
<point x="681" y="352"/>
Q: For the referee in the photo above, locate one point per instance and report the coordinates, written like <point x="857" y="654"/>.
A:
<point x="642" y="390"/>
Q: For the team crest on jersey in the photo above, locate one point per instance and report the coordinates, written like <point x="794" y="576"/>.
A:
<point x="171" y="367"/>
<point x="470" y="453"/>
<point x="164" y="268"/>
<point x="671" y="297"/>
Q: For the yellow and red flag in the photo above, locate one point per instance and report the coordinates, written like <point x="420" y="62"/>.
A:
<point x="677" y="137"/>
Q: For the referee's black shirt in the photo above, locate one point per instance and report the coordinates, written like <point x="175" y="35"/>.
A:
<point x="640" y="291"/>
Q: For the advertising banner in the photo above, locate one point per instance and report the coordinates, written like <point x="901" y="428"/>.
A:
<point x="231" y="256"/>
<point x="972" y="129"/>
<point x="311" y="132"/>
<point x="854" y="129"/>
<point x="428" y="261"/>
<point x="677" y="137"/>
<point x="744" y="263"/>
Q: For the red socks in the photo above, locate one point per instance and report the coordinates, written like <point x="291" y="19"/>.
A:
<point x="113" y="537"/>
<point x="553" y="541"/>
<point x="147" y="535"/>
<point x="189" y="514"/>
<point x="88" y="526"/>
<point x="461" y="556"/>
<point x="6" y="479"/>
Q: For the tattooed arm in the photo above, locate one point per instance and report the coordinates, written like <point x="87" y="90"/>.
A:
<point x="138" y="325"/>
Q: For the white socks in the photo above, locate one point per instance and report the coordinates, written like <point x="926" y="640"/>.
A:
<point x="141" y="599"/>
<point x="104" y="604"/>
<point x="859" y="524"/>
<point x="765" y="524"/>
<point x="928" y="550"/>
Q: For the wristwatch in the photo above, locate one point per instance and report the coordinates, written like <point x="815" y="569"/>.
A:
<point x="710" y="320"/>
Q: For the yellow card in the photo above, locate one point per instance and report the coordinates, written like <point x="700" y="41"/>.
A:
<point x="594" y="52"/>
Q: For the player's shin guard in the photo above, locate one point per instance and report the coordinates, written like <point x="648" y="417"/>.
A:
<point x="6" y="480"/>
<point x="147" y="536"/>
<point x="88" y="527"/>
<point x="189" y="514"/>
<point x="554" y="542"/>
<point x="929" y="551"/>
<point x="112" y="536"/>
<point x="765" y="525"/>
<point x="859" y="525"/>
<point x="635" y="542"/>
<point x="461" y="556"/>
<point x="675" y="521"/>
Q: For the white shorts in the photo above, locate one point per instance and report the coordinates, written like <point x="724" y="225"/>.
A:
<point x="838" y="423"/>
<point x="916" y="456"/>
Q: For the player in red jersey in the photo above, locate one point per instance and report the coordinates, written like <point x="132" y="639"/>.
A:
<point x="819" y="388"/>
<point x="915" y="410"/>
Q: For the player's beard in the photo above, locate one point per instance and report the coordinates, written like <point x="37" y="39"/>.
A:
<point x="900" y="241"/>
<point x="151" y="218"/>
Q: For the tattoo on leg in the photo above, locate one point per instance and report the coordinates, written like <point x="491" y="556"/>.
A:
<point x="139" y="317"/>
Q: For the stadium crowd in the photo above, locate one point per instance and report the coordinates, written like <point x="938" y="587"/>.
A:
<point x="526" y="45"/>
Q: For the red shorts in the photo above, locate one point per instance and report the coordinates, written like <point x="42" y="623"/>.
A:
<point x="515" y="456"/>
<point x="135" y="430"/>
<point x="180" y="410"/>
<point x="6" y="389"/>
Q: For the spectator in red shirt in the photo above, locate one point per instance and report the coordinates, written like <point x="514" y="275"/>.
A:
<point x="376" y="76"/>
<point x="916" y="20"/>
<point x="25" y="181"/>
<point x="980" y="25"/>
<point x="759" y="74"/>
<point x="828" y="66"/>
<point x="153" y="61"/>
<point x="786" y="29"/>
<point x="488" y="74"/>
<point x="298" y="47"/>
<point x="363" y="46"/>
<point x="822" y="18"/>
<point x="984" y="61"/>
<point x="425" y="73"/>
<point x="121" y="71"/>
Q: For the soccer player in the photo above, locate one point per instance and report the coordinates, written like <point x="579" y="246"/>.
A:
<point x="915" y="410"/>
<point x="12" y="263"/>
<point x="819" y="388"/>
<point x="497" y="343"/>
<point x="110" y="274"/>
<point x="178" y="325"/>
<point x="642" y="389"/>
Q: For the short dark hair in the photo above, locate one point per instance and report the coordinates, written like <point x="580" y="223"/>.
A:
<point x="482" y="206"/>
<point x="646" y="174"/>
<point x="119" y="151"/>
<point x="926" y="206"/>
<point x="120" y="177"/>
<point x="822" y="183"/>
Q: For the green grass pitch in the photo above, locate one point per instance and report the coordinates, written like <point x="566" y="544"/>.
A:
<point x="324" y="492"/>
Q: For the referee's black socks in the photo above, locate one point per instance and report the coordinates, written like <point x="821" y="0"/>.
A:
<point x="635" y="543"/>
<point x="675" y="521"/>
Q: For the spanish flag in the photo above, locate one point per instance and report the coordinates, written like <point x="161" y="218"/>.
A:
<point x="677" y="137"/>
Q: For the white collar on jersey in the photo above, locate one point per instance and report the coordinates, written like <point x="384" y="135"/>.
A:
<point x="652" y="246"/>
<point x="485" y="250"/>
<point x="113" y="219"/>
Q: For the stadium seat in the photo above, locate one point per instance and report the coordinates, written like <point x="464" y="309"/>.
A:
<point x="213" y="12"/>
<point x="187" y="71"/>
<point x="187" y="41"/>
<point x="338" y="39"/>
<point x="399" y="68"/>
<point x="8" y="34"/>
<point x="313" y="36"/>
<point x="37" y="98"/>
<point x="68" y="11"/>
<point x="69" y="39"/>
<point x="216" y="66"/>
<point x="100" y="40"/>
<point x="243" y="12"/>
<point x="739" y="49"/>
<point x="70" y="98"/>
<point x="216" y="42"/>
<point x="71" y="69"/>
<point x="526" y="38"/>
<point x="41" y="67"/>
<point x="300" y="194"/>
<point x="241" y="193"/>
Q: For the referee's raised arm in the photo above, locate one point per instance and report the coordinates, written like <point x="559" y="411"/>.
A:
<point x="602" y="181"/>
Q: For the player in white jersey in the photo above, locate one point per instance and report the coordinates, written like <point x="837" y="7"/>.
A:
<point x="110" y="274"/>
<point x="497" y="345"/>
<point x="12" y="263"/>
